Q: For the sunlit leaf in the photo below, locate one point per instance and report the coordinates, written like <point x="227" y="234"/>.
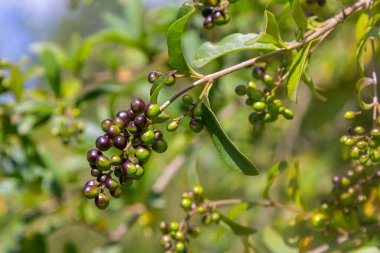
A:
<point x="174" y="39"/>
<point x="271" y="27"/>
<point x="361" y="27"/>
<point x="232" y="43"/>
<point x="295" y="72"/>
<point x="299" y="15"/>
<point x="228" y="151"/>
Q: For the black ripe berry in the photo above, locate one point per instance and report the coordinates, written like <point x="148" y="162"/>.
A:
<point x="120" y="142"/>
<point x="153" y="76"/>
<point x="160" y="146"/>
<point x="103" y="143"/>
<point x="140" y="121"/>
<point x="196" y="125"/>
<point x="92" y="155"/>
<point x="137" y="105"/>
<point x="170" y="80"/>
<point x="208" y="23"/>
<point x="258" y="72"/>
<point x="102" y="201"/>
<point x="207" y="11"/>
<point x="124" y="115"/>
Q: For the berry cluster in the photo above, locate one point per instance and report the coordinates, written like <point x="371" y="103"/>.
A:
<point x="175" y="235"/>
<point x="266" y="108"/>
<point x="214" y="16"/>
<point x="362" y="145"/>
<point x="131" y="132"/>
<point x="350" y="192"/>
<point x="67" y="125"/>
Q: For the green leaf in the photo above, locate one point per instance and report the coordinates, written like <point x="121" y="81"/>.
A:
<point x="360" y="57"/>
<point x="174" y="40"/>
<point x="157" y="86"/>
<point x="229" y="153"/>
<point x="361" y="85"/>
<point x="361" y="27"/>
<point x="97" y="92"/>
<point x="293" y="190"/>
<point x="271" y="27"/>
<point x="232" y="43"/>
<point x="295" y="72"/>
<point x="236" y="228"/>
<point x="52" y="71"/>
<point x="299" y="15"/>
<point x="273" y="172"/>
<point x="310" y="84"/>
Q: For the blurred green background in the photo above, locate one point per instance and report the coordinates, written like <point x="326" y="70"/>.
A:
<point x="100" y="53"/>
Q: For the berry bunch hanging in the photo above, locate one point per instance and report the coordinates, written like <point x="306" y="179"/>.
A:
<point x="131" y="132"/>
<point x="215" y="12"/>
<point x="266" y="107"/>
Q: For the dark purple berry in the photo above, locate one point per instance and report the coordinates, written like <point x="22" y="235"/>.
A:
<point x="103" y="143"/>
<point x="124" y="115"/>
<point x="120" y="142"/>
<point x="131" y="114"/>
<point x="92" y="155"/>
<point x="128" y="168"/>
<point x="91" y="183"/>
<point x="103" y="163"/>
<point x="125" y="180"/>
<point x="102" y="178"/>
<point x="207" y="23"/>
<point x="90" y="192"/>
<point x="137" y="105"/>
<point x="218" y="17"/>
<point x="139" y="171"/>
<point x="140" y="121"/>
<point x="207" y="11"/>
<point x="95" y="172"/>
<point x="132" y="128"/>
<point x="116" y="193"/>
<point x="158" y="134"/>
<point x="113" y="131"/>
<point x="196" y="125"/>
<point x="153" y="76"/>
<point x="258" y="72"/>
<point x="105" y="125"/>
<point x="102" y="201"/>
<point x="111" y="184"/>
<point x="120" y="122"/>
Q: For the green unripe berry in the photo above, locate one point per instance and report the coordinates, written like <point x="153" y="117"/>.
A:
<point x="196" y="125"/>
<point x="259" y="106"/>
<point x="128" y="168"/>
<point x="198" y="191"/>
<point x="173" y="226"/>
<point x="90" y="192"/>
<point x="363" y="159"/>
<point x="160" y="146"/>
<point x="215" y="217"/>
<point x="349" y="115"/>
<point x="180" y="247"/>
<point x="268" y="81"/>
<point x="102" y="201"/>
<point x="113" y="131"/>
<point x="254" y="94"/>
<point x="375" y="156"/>
<point x="319" y="221"/>
<point x="251" y="84"/>
<point x="218" y="17"/>
<point x="147" y="137"/>
<point x="139" y="171"/>
<point x="349" y="141"/>
<point x="362" y="145"/>
<point x="346" y="199"/>
<point x="170" y="80"/>
<point x="132" y="128"/>
<point x="142" y="153"/>
<point x="345" y="182"/>
<point x="249" y="101"/>
<point x="354" y="152"/>
<point x="103" y="163"/>
<point x="164" y="227"/>
<point x="227" y="18"/>
<point x="259" y="127"/>
<point x="152" y="111"/>
<point x="115" y="160"/>
<point x="187" y="99"/>
<point x="172" y="126"/>
<point x="288" y="114"/>
<point x="359" y="130"/>
<point x="206" y="219"/>
<point x="179" y="235"/>
<point x="375" y="133"/>
<point x="194" y="231"/>
<point x="201" y="210"/>
<point x="186" y="203"/>
<point x="241" y="90"/>
<point x="197" y="112"/>
<point x="213" y="2"/>
<point x="253" y="117"/>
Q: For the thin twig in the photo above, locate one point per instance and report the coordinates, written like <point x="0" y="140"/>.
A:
<point x="329" y="25"/>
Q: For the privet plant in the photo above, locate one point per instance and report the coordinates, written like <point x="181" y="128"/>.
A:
<point x="274" y="64"/>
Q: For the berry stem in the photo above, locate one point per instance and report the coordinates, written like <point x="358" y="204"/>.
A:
<point x="374" y="77"/>
<point x="311" y="35"/>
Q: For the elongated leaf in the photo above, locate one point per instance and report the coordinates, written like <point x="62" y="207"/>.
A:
<point x="361" y="85"/>
<point x="157" y="86"/>
<point x="299" y="15"/>
<point x="360" y="57"/>
<point x="174" y="40"/>
<point x="295" y="72"/>
<point x="273" y="172"/>
<point x="232" y="43"/>
<point x="293" y="190"/>
<point x="361" y="27"/>
<point x="52" y="71"/>
<point x="229" y="153"/>
<point x="236" y="228"/>
<point x="271" y="27"/>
